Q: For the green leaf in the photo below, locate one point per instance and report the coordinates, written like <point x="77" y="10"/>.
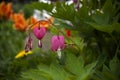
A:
<point x="40" y="6"/>
<point x="116" y="26"/>
<point x="64" y="11"/>
<point x="107" y="74"/>
<point x="46" y="72"/>
<point x="88" y="70"/>
<point x="58" y="73"/>
<point x="32" y="75"/>
<point x="108" y="7"/>
<point x="109" y="28"/>
<point x="114" y="65"/>
<point x="74" y="64"/>
<point x="100" y="18"/>
<point x="83" y="13"/>
<point x="59" y="23"/>
<point x="105" y="28"/>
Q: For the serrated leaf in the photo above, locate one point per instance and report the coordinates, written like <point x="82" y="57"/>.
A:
<point x="74" y="64"/>
<point x="58" y="73"/>
<point x="32" y="75"/>
<point x="90" y="67"/>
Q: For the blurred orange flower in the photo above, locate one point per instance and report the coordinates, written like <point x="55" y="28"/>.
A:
<point x="2" y="8"/>
<point x="43" y="23"/>
<point x="5" y="10"/>
<point x="8" y="11"/>
<point x="20" y="22"/>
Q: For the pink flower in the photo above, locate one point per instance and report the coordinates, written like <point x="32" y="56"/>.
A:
<point x="28" y="45"/>
<point x="57" y="43"/>
<point x="39" y="32"/>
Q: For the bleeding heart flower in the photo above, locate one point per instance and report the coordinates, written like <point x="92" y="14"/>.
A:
<point x="28" y="45"/>
<point x="39" y="33"/>
<point x="57" y="43"/>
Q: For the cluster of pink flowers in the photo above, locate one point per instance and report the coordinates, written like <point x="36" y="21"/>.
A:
<point x="57" y="41"/>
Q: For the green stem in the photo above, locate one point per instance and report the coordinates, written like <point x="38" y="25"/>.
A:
<point x="114" y="39"/>
<point x="117" y="43"/>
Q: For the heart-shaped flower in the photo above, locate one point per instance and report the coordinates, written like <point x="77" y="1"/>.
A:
<point x="39" y="32"/>
<point x="57" y="42"/>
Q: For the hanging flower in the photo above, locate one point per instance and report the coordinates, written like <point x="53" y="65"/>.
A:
<point x="22" y="54"/>
<point x="58" y="44"/>
<point x="39" y="33"/>
<point x="28" y="45"/>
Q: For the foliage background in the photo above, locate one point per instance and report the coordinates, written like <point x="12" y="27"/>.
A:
<point x="95" y="31"/>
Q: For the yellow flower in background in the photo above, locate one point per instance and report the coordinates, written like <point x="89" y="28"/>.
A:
<point x="22" y="54"/>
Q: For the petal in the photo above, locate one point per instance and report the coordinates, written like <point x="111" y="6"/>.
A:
<point x="22" y="54"/>
<point x="62" y="42"/>
<point x="39" y="44"/>
<point x="39" y="33"/>
<point x="55" y="43"/>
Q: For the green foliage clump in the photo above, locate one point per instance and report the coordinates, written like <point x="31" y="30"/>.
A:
<point x="97" y="23"/>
